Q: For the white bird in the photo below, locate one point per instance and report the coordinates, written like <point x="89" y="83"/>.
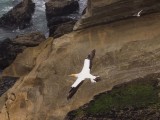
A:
<point x="83" y="75"/>
<point x="138" y="14"/>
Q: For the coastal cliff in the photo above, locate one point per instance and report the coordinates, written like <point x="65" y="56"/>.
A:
<point x="126" y="50"/>
<point x="107" y="11"/>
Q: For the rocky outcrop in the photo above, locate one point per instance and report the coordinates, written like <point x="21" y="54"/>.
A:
<point x="58" y="16"/>
<point x="133" y="100"/>
<point x="106" y="11"/>
<point x="6" y="83"/>
<point x="41" y="92"/>
<point x="29" y="40"/>
<point x="10" y="48"/>
<point x="18" y="17"/>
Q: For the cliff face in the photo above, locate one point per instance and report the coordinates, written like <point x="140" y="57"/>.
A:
<point x="9" y="48"/>
<point x="126" y="50"/>
<point x="60" y="18"/>
<point x="106" y="11"/>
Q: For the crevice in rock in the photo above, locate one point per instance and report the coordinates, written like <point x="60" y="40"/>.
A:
<point x="7" y="112"/>
<point x="6" y="83"/>
<point x="10" y="48"/>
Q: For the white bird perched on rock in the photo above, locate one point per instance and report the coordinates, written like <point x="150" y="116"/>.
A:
<point x="84" y="74"/>
<point x="138" y="14"/>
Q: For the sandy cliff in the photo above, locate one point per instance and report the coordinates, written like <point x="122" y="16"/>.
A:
<point x="106" y="11"/>
<point x="126" y="50"/>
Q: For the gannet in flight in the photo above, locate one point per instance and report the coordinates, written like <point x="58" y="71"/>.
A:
<point x="83" y="75"/>
<point x="138" y="14"/>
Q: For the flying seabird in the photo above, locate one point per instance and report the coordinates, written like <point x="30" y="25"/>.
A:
<point x="83" y="75"/>
<point x="138" y="14"/>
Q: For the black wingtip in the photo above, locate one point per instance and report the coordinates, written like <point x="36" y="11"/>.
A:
<point x="91" y="54"/>
<point x="97" y="79"/>
<point x="73" y="90"/>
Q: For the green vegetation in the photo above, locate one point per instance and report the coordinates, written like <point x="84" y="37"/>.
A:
<point x="136" y="94"/>
<point x="133" y="95"/>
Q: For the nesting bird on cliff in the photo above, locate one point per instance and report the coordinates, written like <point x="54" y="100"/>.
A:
<point x="83" y="75"/>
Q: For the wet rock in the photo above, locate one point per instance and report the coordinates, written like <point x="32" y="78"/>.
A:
<point x="114" y="10"/>
<point x="18" y="17"/>
<point x="64" y="28"/>
<point x="6" y="82"/>
<point x="57" y="14"/>
<point x="61" y="25"/>
<point x="29" y="40"/>
<point x="60" y="7"/>
<point x="10" y="48"/>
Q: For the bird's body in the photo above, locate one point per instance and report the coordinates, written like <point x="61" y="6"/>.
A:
<point x="138" y="14"/>
<point x="83" y="75"/>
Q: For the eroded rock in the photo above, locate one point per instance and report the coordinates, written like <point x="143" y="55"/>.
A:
<point x="9" y="49"/>
<point x="6" y="82"/>
<point x="107" y="11"/>
<point x="41" y="92"/>
<point x="58" y="16"/>
<point x="18" y="17"/>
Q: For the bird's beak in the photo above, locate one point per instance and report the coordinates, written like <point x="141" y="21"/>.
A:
<point x="72" y="75"/>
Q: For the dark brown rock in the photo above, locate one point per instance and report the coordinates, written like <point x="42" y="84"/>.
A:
<point x="130" y="114"/>
<point x="64" y="28"/>
<point x="60" y="8"/>
<point x="20" y="16"/>
<point x="29" y="40"/>
<point x="10" y="48"/>
<point x="60" y="25"/>
<point x="6" y="82"/>
<point x="57" y="14"/>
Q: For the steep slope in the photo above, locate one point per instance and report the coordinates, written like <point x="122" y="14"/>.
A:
<point x="126" y="50"/>
<point x="9" y="48"/>
<point x="105" y="11"/>
<point x="135" y="100"/>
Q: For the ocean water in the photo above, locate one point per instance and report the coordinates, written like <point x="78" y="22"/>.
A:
<point x="38" y="18"/>
<point x="6" y="5"/>
<point x="82" y="6"/>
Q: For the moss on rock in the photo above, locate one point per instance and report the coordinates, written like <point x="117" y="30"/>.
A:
<point x="140" y="94"/>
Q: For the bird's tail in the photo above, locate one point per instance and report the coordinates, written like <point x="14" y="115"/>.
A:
<point x="97" y="79"/>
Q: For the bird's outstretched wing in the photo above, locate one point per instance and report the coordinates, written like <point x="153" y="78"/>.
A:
<point x="88" y="61"/>
<point x="91" y="56"/>
<point x="138" y="14"/>
<point x="74" y="88"/>
<point x="87" y="66"/>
